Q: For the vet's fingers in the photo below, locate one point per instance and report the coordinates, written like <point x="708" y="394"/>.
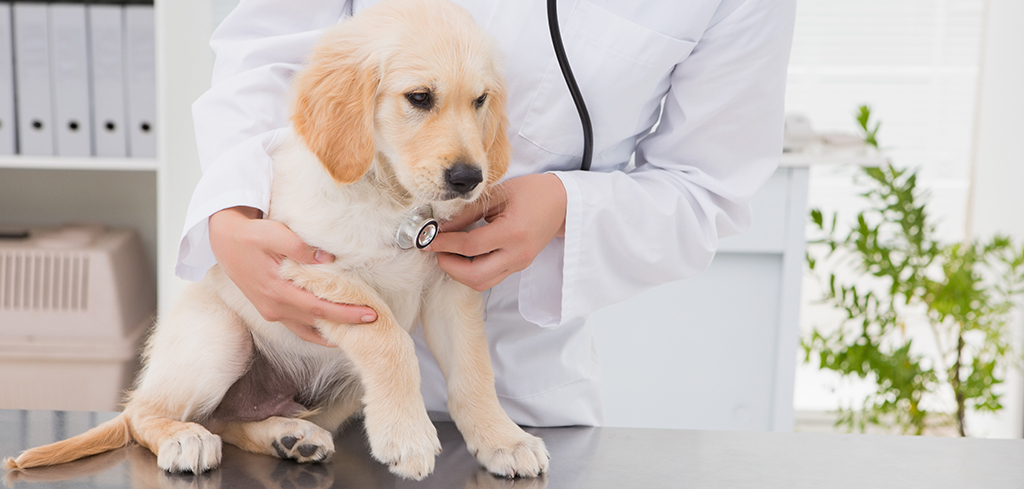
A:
<point x="478" y="273"/>
<point x="307" y="308"/>
<point x="345" y="313"/>
<point x="451" y="242"/>
<point x="484" y="239"/>
<point x="486" y="207"/>
<point x="284" y="241"/>
<point x="468" y="215"/>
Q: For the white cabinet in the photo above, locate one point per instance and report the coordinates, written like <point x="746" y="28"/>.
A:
<point x="146" y="194"/>
<point x="716" y="351"/>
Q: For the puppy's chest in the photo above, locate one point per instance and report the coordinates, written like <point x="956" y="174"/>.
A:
<point x="386" y="269"/>
<point x="362" y="240"/>
<point x="399" y="281"/>
<point x="396" y="276"/>
<point x="357" y="223"/>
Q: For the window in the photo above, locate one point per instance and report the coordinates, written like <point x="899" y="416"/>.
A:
<point x="916" y="63"/>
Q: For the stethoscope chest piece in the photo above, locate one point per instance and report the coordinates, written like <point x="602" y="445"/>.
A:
<point x="419" y="229"/>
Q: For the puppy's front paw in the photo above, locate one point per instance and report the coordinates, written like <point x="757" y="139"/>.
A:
<point x="193" y="449"/>
<point x="408" y="448"/>
<point x="303" y="442"/>
<point x="523" y="455"/>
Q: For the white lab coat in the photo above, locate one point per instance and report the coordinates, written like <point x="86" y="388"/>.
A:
<point x="718" y="69"/>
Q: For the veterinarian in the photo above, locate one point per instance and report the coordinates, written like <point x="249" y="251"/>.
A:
<point x="560" y="243"/>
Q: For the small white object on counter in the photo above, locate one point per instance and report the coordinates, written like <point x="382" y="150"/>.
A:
<point x="75" y="303"/>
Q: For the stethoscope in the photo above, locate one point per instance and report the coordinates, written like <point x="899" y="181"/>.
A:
<point x="570" y="81"/>
<point x="420" y="228"/>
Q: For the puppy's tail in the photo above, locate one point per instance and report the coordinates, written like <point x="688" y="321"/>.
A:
<point x="105" y="437"/>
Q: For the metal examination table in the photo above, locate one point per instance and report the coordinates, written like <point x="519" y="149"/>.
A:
<point x="591" y="458"/>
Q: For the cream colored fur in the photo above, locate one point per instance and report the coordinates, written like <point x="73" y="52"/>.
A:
<point x="361" y="156"/>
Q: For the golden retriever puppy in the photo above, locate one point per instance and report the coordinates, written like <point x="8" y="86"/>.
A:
<point x="401" y="106"/>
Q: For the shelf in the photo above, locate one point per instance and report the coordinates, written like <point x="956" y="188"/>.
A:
<point x="77" y="163"/>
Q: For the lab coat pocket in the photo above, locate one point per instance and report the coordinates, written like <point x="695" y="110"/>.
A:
<point x="623" y="71"/>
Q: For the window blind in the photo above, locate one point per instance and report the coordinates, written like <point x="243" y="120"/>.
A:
<point x="915" y="62"/>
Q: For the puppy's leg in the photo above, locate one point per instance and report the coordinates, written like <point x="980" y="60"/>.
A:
<point x="192" y="358"/>
<point x="338" y="413"/>
<point x="400" y="433"/>
<point x="454" y="329"/>
<point x="179" y="446"/>
<point x="287" y="438"/>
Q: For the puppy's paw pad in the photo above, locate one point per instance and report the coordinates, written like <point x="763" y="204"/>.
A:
<point x="303" y="442"/>
<point x="193" y="449"/>
<point x="525" y="456"/>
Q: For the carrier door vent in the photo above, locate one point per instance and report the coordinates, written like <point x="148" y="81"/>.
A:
<point x="44" y="281"/>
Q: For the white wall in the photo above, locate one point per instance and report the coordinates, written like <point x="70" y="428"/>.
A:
<point x="184" y="65"/>
<point x="999" y="177"/>
<point x="221" y="9"/>
<point x="999" y="201"/>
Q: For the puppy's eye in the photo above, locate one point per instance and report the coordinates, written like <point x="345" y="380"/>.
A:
<point x="422" y="100"/>
<point x="479" y="102"/>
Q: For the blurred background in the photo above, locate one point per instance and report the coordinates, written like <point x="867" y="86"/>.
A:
<point x="941" y="76"/>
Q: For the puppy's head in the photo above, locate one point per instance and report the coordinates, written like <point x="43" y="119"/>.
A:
<point x="415" y="83"/>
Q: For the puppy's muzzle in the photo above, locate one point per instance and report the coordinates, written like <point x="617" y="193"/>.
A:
<point x="462" y="178"/>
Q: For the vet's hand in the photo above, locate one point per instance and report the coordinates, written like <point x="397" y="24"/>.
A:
<point x="250" y="250"/>
<point x="523" y="214"/>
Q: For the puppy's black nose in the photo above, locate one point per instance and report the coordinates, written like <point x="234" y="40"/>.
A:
<point x="463" y="178"/>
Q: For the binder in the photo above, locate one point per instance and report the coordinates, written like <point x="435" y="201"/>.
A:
<point x="32" y="78"/>
<point x="7" y="122"/>
<point x="106" y="49"/>
<point x="141" y="77"/>
<point x="69" y="74"/>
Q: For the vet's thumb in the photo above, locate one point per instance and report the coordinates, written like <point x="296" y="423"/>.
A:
<point x="293" y="247"/>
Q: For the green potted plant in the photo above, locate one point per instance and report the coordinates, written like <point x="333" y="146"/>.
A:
<point x="888" y="273"/>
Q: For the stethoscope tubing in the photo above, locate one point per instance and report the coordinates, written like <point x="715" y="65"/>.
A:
<point x="574" y="89"/>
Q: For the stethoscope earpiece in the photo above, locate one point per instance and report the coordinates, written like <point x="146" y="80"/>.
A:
<point x="419" y="229"/>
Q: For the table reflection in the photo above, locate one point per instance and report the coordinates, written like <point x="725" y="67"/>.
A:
<point x="350" y="467"/>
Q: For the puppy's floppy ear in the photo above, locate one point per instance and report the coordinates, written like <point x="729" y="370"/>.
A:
<point x="333" y="109"/>
<point x="499" y="152"/>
